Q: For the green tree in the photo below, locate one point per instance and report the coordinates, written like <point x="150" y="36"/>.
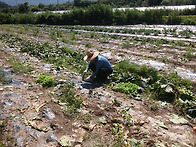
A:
<point x="153" y="16"/>
<point x="23" y="8"/>
<point x="77" y="3"/>
<point x="34" y="8"/>
<point x="174" y="18"/>
<point x="98" y="14"/>
<point x="119" y="17"/>
<point x="41" y="6"/>
<point x="133" y="16"/>
<point x="78" y="16"/>
<point x="165" y="2"/>
<point x="5" y="18"/>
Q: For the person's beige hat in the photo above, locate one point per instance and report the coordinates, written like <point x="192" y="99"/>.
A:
<point x="90" y="55"/>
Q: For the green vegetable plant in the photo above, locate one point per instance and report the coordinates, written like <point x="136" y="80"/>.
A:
<point x="171" y="87"/>
<point x="127" y="88"/>
<point x="53" y="35"/>
<point x="125" y="71"/>
<point x="46" y="81"/>
<point x="61" y="57"/>
<point x="164" y="92"/>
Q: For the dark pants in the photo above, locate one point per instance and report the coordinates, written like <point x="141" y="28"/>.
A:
<point x="102" y="74"/>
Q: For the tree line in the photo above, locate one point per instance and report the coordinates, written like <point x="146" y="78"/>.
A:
<point x="100" y="14"/>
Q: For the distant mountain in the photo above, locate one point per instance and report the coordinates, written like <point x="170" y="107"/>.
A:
<point x="4" y="5"/>
<point x="34" y="2"/>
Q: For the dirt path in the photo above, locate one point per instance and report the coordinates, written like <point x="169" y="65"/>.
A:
<point x="34" y="117"/>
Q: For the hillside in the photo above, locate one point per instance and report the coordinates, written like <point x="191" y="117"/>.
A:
<point x="4" y="5"/>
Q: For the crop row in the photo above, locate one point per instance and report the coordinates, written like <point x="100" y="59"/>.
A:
<point x="59" y="56"/>
<point x="132" y="79"/>
<point x="172" y="32"/>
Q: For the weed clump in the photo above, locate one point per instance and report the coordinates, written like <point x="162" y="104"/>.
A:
<point x="68" y="96"/>
<point x="46" y="81"/>
<point x="3" y="78"/>
<point x="18" y="67"/>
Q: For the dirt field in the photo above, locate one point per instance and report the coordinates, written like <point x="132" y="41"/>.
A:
<point x="31" y="115"/>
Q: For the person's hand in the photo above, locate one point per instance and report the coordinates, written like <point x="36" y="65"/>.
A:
<point x="84" y="72"/>
<point x="83" y="76"/>
<point x="89" y="79"/>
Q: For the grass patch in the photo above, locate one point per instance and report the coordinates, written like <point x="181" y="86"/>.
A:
<point x="53" y="35"/>
<point x="67" y="41"/>
<point x="189" y="54"/>
<point x="125" y="44"/>
<point x="88" y="45"/>
<point x="18" y="67"/>
<point x="71" y="103"/>
<point x="3" y="78"/>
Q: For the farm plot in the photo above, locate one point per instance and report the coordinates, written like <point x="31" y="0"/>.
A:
<point x="37" y="110"/>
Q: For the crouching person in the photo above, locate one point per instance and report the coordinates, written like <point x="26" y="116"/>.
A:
<point x="100" y="66"/>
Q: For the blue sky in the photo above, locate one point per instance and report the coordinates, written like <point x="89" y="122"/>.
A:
<point x="33" y="2"/>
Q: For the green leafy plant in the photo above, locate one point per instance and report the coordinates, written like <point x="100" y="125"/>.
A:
<point x="125" y="71"/>
<point x="169" y="87"/>
<point x="35" y="31"/>
<point x="185" y="94"/>
<point x="165" y="92"/>
<point x="45" y="80"/>
<point x="127" y="116"/>
<point x="68" y="41"/>
<point x="128" y="88"/>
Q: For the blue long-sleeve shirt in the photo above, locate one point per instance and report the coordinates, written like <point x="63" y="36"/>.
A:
<point x="101" y="62"/>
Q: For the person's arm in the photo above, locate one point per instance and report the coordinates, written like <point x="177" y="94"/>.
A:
<point x="85" y="71"/>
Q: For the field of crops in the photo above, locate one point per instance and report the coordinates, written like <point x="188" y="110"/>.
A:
<point x="149" y="100"/>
